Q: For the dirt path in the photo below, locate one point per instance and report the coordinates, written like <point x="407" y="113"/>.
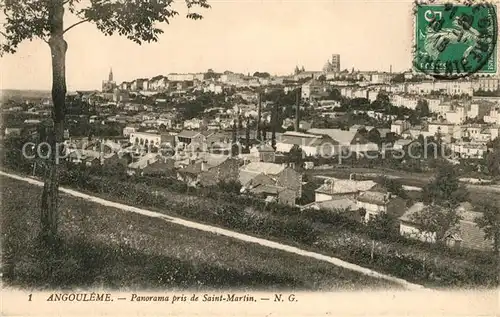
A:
<point x="225" y="232"/>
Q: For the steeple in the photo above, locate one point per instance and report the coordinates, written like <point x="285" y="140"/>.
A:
<point x="110" y="78"/>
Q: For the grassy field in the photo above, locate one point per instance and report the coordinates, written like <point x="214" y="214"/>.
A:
<point x="110" y="248"/>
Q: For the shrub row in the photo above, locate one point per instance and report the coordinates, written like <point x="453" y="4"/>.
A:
<point x="231" y="215"/>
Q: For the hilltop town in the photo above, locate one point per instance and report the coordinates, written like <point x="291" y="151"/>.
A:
<point x="373" y="147"/>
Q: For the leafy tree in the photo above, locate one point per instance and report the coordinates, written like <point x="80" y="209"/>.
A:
<point x="445" y="189"/>
<point x="374" y="136"/>
<point x="234" y="144"/>
<point x="295" y="155"/>
<point x="44" y="19"/>
<point x="261" y="75"/>
<point x="382" y="101"/>
<point x="422" y="108"/>
<point x="247" y="136"/>
<point x="399" y="78"/>
<point x="393" y="186"/>
<point x="162" y="128"/>
<point x="437" y="219"/>
<point x="494" y="144"/>
<point x="230" y="186"/>
<point x="322" y="78"/>
<point x="492" y="158"/>
<point x="490" y="221"/>
<point x="334" y="94"/>
<point x="382" y="226"/>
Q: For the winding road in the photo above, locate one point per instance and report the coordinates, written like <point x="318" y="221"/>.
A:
<point x="225" y="232"/>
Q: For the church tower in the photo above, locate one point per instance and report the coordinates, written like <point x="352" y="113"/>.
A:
<point x="110" y="78"/>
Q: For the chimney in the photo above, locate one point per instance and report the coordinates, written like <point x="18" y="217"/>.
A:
<point x="297" y="110"/>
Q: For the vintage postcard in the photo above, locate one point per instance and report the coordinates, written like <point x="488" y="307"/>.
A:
<point x="256" y="158"/>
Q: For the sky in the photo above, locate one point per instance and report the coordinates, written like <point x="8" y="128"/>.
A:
<point x="237" y="35"/>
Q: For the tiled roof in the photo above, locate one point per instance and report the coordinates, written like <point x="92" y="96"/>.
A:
<point x="345" y="203"/>
<point x="263" y="167"/>
<point x="246" y="177"/>
<point x="160" y="166"/>
<point x="372" y="197"/>
<point x="344" y="186"/>
<point x="341" y="136"/>
<point x="188" y="134"/>
<point x="301" y="139"/>
<point x="144" y="161"/>
<point x="206" y="133"/>
<point x="416" y="207"/>
<point x="268" y="189"/>
<point x="472" y="236"/>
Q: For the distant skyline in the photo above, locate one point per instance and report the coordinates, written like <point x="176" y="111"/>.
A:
<point x="243" y="36"/>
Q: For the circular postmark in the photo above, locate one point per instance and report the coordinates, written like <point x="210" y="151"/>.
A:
<point x="455" y="40"/>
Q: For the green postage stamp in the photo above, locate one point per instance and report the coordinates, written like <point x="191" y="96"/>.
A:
<point x="455" y="40"/>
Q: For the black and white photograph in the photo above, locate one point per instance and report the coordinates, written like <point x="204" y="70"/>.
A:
<point x="256" y="157"/>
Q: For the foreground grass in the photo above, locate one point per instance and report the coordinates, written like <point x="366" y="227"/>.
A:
<point x="431" y="265"/>
<point x="110" y="248"/>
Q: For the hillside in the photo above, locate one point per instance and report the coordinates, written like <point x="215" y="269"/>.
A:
<point x="110" y="248"/>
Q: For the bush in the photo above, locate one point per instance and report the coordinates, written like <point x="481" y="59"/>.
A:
<point x="383" y="226"/>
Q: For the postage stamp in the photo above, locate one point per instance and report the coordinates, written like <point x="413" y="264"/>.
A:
<point x="454" y="40"/>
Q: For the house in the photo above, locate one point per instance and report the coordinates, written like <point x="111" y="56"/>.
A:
<point x="469" y="149"/>
<point x="257" y="174"/>
<point x="266" y="153"/>
<point x="194" y="124"/>
<point x="353" y="141"/>
<point x="311" y="144"/>
<point x="148" y="138"/>
<point x="88" y="157"/>
<point x="312" y="88"/>
<point x="408" y="227"/>
<point x="220" y="138"/>
<point x="442" y="128"/>
<point x="274" y="193"/>
<point x="399" y="126"/>
<point x="377" y="201"/>
<point x="334" y="188"/>
<point x="186" y="137"/>
<point x="135" y="168"/>
<point x="466" y="234"/>
<point x="189" y="174"/>
<point x="210" y="171"/>
<point x="342" y="204"/>
<point x="214" y="172"/>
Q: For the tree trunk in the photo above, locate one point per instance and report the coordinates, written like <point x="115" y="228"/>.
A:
<point x="58" y="47"/>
